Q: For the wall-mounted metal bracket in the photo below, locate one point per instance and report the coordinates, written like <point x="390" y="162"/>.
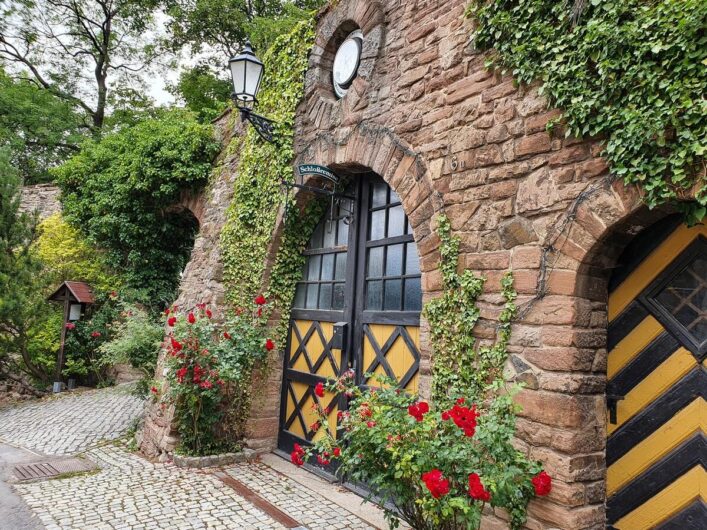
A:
<point x="264" y="127"/>
<point x="612" y="400"/>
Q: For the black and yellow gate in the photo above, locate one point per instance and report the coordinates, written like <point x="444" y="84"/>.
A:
<point x="363" y="278"/>
<point x="656" y="448"/>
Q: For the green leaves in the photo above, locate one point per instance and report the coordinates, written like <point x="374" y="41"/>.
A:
<point x="122" y="192"/>
<point x="630" y="72"/>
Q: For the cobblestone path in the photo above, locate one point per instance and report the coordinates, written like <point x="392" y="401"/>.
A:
<point x="71" y="423"/>
<point x="131" y="493"/>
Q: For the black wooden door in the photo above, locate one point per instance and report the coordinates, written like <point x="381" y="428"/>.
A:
<point x="366" y="275"/>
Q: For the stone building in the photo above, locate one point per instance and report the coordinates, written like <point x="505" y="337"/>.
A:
<point x="607" y="287"/>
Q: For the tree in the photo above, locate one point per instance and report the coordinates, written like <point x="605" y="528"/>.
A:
<point x="19" y="270"/>
<point x="78" y="50"/>
<point x="123" y="191"/>
<point x="38" y="129"/>
<point x="202" y="92"/>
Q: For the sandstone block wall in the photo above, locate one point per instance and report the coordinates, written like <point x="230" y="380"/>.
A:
<point x="40" y="198"/>
<point x="452" y="137"/>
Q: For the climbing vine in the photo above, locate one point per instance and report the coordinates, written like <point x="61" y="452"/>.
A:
<point x="632" y="72"/>
<point x="257" y="195"/>
<point x="460" y="367"/>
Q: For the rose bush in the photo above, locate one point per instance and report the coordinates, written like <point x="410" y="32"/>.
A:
<point x="433" y="466"/>
<point x="209" y="369"/>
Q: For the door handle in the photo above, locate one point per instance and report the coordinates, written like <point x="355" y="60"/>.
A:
<point x="612" y="400"/>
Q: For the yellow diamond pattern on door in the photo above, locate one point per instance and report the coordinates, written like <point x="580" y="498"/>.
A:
<point x="391" y="351"/>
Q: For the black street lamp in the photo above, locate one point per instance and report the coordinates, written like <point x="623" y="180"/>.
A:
<point x="247" y="73"/>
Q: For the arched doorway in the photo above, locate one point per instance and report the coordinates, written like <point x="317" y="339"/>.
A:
<point x="657" y="384"/>
<point x="357" y="306"/>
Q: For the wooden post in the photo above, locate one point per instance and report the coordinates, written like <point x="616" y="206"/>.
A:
<point x="60" y="355"/>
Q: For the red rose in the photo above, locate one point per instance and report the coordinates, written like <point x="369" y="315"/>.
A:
<point x="322" y="460"/>
<point x="226" y="335"/>
<point x="542" y="484"/>
<point x="176" y="345"/>
<point x="297" y="455"/>
<point x="436" y="483"/>
<point x="191" y="318"/>
<point x="319" y="389"/>
<point x="315" y="426"/>
<point x="260" y="300"/>
<point x="418" y="410"/>
<point x="95" y="334"/>
<point x="181" y="373"/>
<point x="70" y="326"/>
<point x="166" y="312"/>
<point x="171" y="321"/>
<point x="464" y="418"/>
<point x="445" y="415"/>
<point x="339" y="415"/>
<point x="206" y="385"/>
<point x="337" y="451"/>
<point x="209" y="314"/>
<point x="269" y="345"/>
<point x="371" y="424"/>
<point x="477" y="490"/>
<point x="153" y="390"/>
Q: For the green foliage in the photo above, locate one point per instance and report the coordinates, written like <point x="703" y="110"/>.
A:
<point x="632" y="71"/>
<point x="460" y="368"/>
<point x="19" y="270"/>
<point x="67" y="255"/>
<point x="39" y="129"/>
<point x="203" y="92"/>
<point x="121" y="191"/>
<point x="257" y="195"/>
<point x="209" y="370"/>
<point x="135" y="339"/>
<point x="224" y="25"/>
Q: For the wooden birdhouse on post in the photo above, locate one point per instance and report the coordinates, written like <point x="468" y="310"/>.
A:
<point x="76" y="297"/>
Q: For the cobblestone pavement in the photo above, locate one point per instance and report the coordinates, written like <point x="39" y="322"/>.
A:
<point x="70" y="423"/>
<point x="131" y="493"/>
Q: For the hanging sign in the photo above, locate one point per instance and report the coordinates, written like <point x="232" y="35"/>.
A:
<point x="322" y="171"/>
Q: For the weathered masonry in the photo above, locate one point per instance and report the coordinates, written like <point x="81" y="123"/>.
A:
<point x="612" y="333"/>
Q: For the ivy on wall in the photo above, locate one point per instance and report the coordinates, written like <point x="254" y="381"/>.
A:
<point x="257" y="195"/>
<point x="461" y="367"/>
<point x="630" y="71"/>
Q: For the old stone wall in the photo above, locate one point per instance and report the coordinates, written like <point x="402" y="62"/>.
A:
<point x="40" y="198"/>
<point x="202" y="279"/>
<point x="451" y="136"/>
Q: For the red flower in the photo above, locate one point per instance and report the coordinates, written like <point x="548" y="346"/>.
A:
<point x="70" y="326"/>
<point x="371" y="424"/>
<point x="226" y="335"/>
<point x="322" y="460"/>
<point x="319" y="389"/>
<point x="181" y="373"/>
<point x="542" y="484"/>
<point x="436" y="483"/>
<point x="191" y="318"/>
<point x="477" y="490"/>
<point x="269" y="345"/>
<point x="113" y="294"/>
<point x="315" y="426"/>
<point x="418" y="410"/>
<point x="166" y="312"/>
<point x="337" y="451"/>
<point x="176" y="345"/>
<point x="260" y="300"/>
<point x="445" y="415"/>
<point x="464" y="418"/>
<point x="95" y="334"/>
<point x="260" y="312"/>
<point x="153" y="390"/>
<point x="171" y="321"/>
<point x="206" y="385"/>
<point x="297" y="455"/>
<point x="209" y="314"/>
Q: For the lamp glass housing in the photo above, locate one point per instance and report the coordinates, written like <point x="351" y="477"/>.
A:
<point x="247" y="73"/>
